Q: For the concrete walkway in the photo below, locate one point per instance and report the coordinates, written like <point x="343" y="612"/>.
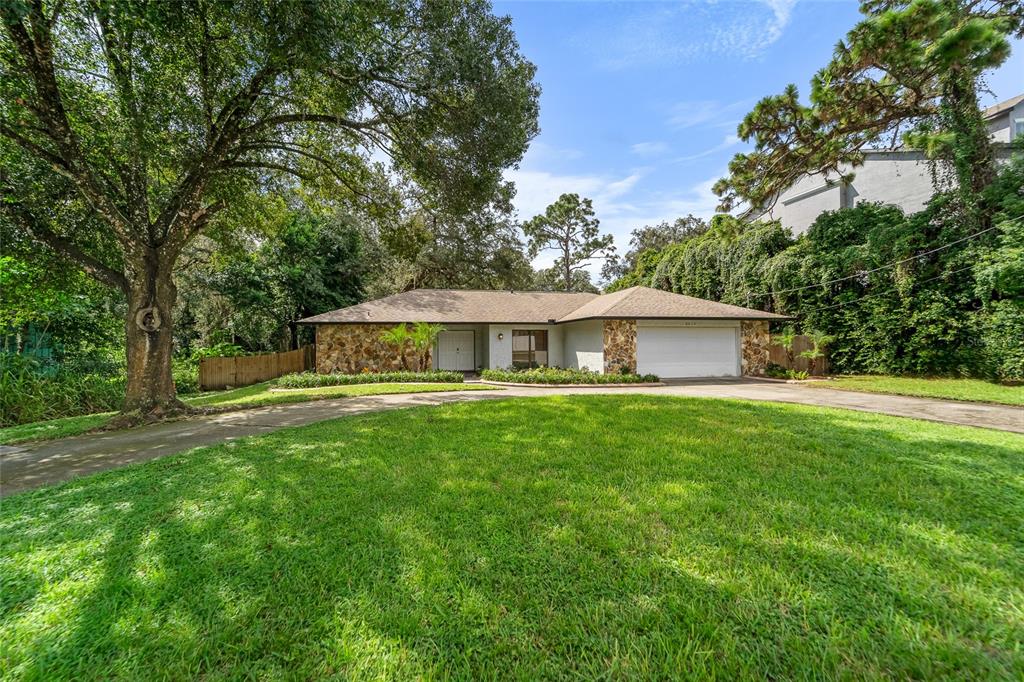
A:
<point x="30" y="466"/>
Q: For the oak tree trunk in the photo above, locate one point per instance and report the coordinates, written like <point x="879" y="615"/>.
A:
<point x="149" y="338"/>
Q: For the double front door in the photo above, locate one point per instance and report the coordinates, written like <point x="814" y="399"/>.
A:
<point x="455" y="351"/>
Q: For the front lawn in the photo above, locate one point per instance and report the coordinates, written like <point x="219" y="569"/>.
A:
<point x="563" y="537"/>
<point x="257" y="395"/>
<point x="974" y="390"/>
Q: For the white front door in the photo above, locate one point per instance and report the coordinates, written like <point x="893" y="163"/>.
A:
<point x="455" y="351"/>
<point x="675" y="352"/>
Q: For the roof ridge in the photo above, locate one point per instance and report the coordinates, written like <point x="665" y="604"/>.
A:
<point x="498" y="291"/>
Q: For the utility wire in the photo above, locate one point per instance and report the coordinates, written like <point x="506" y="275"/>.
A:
<point x="882" y="293"/>
<point x="888" y="265"/>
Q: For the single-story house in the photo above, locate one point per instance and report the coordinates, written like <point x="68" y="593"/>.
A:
<point x="644" y="330"/>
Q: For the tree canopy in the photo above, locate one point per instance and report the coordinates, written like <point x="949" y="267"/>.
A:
<point x="652" y="237"/>
<point x="127" y="128"/>
<point x="569" y="227"/>
<point x="908" y="73"/>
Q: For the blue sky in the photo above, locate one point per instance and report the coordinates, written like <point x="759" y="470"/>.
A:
<point x="641" y="100"/>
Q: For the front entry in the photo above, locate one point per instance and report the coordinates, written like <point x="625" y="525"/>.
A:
<point x="455" y="351"/>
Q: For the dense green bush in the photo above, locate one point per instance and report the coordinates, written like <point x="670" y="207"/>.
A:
<point x="30" y="391"/>
<point x="314" y="380"/>
<point x="556" y="375"/>
<point x="953" y="311"/>
<point x="218" y="350"/>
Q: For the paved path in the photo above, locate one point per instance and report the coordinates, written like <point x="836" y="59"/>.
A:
<point x="23" y="468"/>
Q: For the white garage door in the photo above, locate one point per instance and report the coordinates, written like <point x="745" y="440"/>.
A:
<point x="672" y="352"/>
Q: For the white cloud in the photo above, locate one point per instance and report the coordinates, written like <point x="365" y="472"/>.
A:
<point x="693" y="113"/>
<point x="649" y="148"/>
<point x="541" y="151"/>
<point x="619" y="202"/>
<point x="537" y="189"/>
<point x="688" y="32"/>
<point x="728" y="142"/>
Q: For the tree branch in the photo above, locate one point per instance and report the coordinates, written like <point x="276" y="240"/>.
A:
<point x="40" y="232"/>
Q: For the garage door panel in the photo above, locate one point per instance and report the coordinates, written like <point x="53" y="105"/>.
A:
<point x="672" y="352"/>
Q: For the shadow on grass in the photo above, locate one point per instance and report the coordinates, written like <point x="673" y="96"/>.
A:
<point x="588" y="536"/>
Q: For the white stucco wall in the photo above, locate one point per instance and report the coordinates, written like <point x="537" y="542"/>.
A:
<point x="899" y="178"/>
<point x="500" y="350"/>
<point x="584" y="345"/>
<point x="1003" y="127"/>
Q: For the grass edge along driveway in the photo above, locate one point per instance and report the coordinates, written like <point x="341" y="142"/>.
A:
<point x="968" y="390"/>
<point x="257" y="395"/>
<point x="568" y="536"/>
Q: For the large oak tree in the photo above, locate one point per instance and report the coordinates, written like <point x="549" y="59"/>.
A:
<point x="128" y="127"/>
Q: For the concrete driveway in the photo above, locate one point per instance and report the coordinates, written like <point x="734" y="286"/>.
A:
<point x="30" y="466"/>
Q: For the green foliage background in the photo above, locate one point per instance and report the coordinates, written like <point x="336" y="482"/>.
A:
<point x="957" y="311"/>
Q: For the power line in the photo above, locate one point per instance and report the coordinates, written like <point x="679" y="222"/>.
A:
<point x="881" y="293"/>
<point x="888" y="265"/>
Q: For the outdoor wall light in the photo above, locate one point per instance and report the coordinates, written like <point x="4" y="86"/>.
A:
<point x="500" y="336"/>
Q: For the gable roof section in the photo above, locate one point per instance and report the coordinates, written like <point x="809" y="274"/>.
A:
<point x="455" y="306"/>
<point x="999" y="108"/>
<point x="647" y="303"/>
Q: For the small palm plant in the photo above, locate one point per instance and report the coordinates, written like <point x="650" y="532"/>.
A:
<point x="423" y="337"/>
<point x="786" y="339"/>
<point x="819" y="340"/>
<point x="399" y="337"/>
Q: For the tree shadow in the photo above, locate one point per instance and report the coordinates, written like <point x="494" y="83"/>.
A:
<point x="586" y="536"/>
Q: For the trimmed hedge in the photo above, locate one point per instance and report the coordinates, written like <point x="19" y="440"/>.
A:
<point x="314" y="380"/>
<point x="555" y="375"/>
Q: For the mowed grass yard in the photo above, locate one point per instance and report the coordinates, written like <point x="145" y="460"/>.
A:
<point x="574" y="537"/>
<point x="257" y="395"/>
<point x="974" y="390"/>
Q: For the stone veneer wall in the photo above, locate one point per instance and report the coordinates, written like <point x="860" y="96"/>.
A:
<point x="754" y="343"/>
<point x="619" y="346"/>
<point x="355" y="348"/>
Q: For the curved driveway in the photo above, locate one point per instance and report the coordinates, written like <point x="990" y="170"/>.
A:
<point x="30" y="466"/>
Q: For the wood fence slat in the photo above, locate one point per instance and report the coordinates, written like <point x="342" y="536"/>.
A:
<point x="244" y="370"/>
<point x="777" y="354"/>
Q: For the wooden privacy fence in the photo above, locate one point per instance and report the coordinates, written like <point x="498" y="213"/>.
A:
<point x="777" y="354"/>
<point x="244" y="370"/>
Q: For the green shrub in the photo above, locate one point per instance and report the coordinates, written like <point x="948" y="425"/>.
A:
<point x="556" y="375"/>
<point x="186" y="376"/>
<point x="219" y="350"/>
<point x="31" y="391"/>
<point x="314" y="380"/>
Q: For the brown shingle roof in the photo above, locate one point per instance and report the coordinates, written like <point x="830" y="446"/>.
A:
<point x="644" y="302"/>
<point x="454" y="306"/>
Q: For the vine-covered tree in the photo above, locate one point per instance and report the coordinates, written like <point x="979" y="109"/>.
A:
<point x="569" y="227"/>
<point x="910" y="72"/>
<point x="127" y="128"/>
<point x="652" y="238"/>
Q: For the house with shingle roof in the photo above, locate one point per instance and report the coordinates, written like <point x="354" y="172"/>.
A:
<point x="641" y="330"/>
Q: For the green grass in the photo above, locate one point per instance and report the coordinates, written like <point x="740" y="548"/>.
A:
<point x="583" y="537"/>
<point x="974" y="390"/>
<point x="53" y="428"/>
<point x="257" y="395"/>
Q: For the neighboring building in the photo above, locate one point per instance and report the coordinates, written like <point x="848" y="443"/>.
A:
<point x="643" y="330"/>
<point x="890" y="176"/>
